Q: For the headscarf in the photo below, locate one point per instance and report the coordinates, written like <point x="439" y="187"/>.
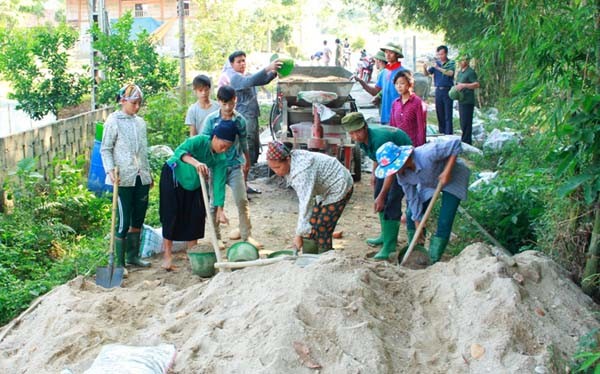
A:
<point x="130" y="92"/>
<point x="277" y="151"/>
<point x="226" y="130"/>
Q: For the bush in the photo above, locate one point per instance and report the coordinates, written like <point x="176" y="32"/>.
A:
<point x="53" y="232"/>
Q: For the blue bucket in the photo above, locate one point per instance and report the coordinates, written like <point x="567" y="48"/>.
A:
<point x="97" y="175"/>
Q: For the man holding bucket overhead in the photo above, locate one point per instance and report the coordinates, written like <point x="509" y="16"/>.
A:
<point x="388" y="195"/>
<point x="418" y="171"/>
<point x="316" y="178"/>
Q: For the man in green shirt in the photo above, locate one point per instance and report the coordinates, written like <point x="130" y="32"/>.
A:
<point x="388" y="194"/>
<point x="467" y="82"/>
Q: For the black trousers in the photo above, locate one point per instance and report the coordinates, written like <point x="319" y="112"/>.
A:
<point x="465" y="112"/>
<point x="392" y="209"/>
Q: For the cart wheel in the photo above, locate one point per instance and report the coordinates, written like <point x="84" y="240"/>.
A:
<point x="274" y="120"/>
<point x="357" y="161"/>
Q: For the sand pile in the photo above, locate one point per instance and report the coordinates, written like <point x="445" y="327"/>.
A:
<point x="343" y="314"/>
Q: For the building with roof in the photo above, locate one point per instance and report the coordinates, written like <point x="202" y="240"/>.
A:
<point x="157" y="17"/>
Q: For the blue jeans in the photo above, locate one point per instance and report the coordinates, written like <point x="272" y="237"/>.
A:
<point x="235" y="181"/>
<point x="443" y="110"/>
<point x="445" y="220"/>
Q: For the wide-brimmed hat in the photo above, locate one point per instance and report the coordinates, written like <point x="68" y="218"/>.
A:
<point x="380" y="56"/>
<point x="392" y="47"/>
<point x="353" y="121"/>
<point x="391" y="158"/>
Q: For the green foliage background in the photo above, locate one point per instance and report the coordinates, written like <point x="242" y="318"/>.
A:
<point x="35" y="62"/>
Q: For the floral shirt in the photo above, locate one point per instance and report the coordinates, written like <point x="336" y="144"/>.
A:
<point x="124" y="144"/>
<point x="315" y="175"/>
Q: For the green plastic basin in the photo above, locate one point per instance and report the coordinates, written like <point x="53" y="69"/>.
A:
<point x="203" y="263"/>
<point x="287" y="65"/>
<point x="242" y="251"/>
<point x="280" y="253"/>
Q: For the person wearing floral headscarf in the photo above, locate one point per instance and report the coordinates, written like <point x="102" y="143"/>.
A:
<point x="320" y="180"/>
<point x="125" y="146"/>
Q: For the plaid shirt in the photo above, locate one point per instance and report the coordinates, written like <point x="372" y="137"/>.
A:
<point x="410" y="118"/>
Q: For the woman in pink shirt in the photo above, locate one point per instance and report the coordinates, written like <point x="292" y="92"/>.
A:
<point x="409" y="112"/>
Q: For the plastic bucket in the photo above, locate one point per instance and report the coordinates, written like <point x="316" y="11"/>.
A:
<point x="99" y="131"/>
<point x="203" y="263"/>
<point x="242" y="251"/>
<point x="280" y="253"/>
<point x="97" y="175"/>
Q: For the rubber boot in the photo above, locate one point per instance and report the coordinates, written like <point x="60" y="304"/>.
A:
<point x="437" y="246"/>
<point x="389" y="230"/>
<point x="133" y="250"/>
<point x="120" y="247"/>
<point x="309" y="246"/>
<point x="374" y="242"/>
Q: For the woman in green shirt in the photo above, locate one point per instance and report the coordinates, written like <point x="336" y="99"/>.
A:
<point x="182" y="211"/>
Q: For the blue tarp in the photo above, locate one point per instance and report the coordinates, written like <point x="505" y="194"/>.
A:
<point x="140" y="24"/>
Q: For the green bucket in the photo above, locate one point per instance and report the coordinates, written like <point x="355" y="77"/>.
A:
<point x="203" y="263"/>
<point x="287" y="65"/>
<point x="309" y="246"/>
<point x="280" y="253"/>
<point x="99" y="131"/>
<point x="242" y="251"/>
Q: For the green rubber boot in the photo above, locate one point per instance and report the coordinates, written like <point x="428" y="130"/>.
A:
<point x="375" y="242"/>
<point x="437" y="246"/>
<point x="133" y="250"/>
<point x="120" y="245"/>
<point x="389" y="230"/>
<point x="309" y="246"/>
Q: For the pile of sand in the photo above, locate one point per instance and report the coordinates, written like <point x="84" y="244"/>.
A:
<point x="342" y="314"/>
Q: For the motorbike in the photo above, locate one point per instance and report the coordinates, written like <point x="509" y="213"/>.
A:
<point x="364" y="68"/>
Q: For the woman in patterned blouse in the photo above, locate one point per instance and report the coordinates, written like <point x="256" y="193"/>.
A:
<point x="318" y="179"/>
<point x="124" y="145"/>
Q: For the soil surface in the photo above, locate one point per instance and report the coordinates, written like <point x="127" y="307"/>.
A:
<point x="343" y="313"/>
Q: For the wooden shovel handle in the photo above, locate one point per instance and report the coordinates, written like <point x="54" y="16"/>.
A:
<point x="113" y="219"/>
<point x="209" y="219"/>
<point x="413" y="243"/>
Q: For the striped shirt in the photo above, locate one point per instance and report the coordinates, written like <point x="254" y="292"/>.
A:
<point x="430" y="160"/>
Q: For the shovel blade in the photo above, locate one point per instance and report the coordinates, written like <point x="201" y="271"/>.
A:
<point x="107" y="278"/>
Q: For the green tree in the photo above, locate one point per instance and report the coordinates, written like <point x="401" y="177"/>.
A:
<point x="35" y="62"/>
<point x="126" y="58"/>
<point x="541" y="61"/>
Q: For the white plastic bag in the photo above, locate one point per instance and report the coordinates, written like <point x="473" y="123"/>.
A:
<point x="497" y="139"/>
<point x="123" y="359"/>
<point x="151" y="242"/>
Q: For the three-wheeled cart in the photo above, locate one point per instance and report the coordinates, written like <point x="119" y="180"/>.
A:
<point x="295" y="121"/>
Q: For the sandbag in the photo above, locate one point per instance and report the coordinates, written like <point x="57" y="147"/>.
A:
<point x="123" y="359"/>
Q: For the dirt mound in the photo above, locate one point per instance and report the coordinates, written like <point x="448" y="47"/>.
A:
<point x="343" y="314"/>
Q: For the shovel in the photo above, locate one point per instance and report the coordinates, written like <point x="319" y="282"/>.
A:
<point x="209" y="219"/>
<point x="111" y="276"/>
<point x="413" y="243"/>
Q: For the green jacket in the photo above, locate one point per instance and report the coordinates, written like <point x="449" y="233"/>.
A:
<point x="378" y="135"/>
<point x="186" y="175"/>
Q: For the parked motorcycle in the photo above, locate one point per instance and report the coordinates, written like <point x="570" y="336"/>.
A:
<point x="364" y="68"/>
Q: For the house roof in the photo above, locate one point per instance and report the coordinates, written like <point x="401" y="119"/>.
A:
<point x="140" y="24"/>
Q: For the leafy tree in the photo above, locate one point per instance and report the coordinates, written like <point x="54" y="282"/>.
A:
<point x="12" y="10"/>
<point x="35" y="62"/>
<point x="218" y="32"/>
<point x="124" y="59"/>
<point x="541" y="61"/>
